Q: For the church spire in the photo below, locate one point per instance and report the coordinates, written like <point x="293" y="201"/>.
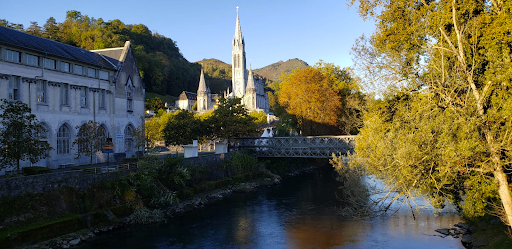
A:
<point x="202" y="83"/>
<point x="250" y="80"/>
<point x="238" y="39"/>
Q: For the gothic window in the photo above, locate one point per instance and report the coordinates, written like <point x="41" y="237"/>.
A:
<point x="82" y="135"/>
<point x="128" y="138"/>
<point x="63" y="138"/>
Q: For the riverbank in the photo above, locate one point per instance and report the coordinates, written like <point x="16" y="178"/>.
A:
<point x="195" y="192"/>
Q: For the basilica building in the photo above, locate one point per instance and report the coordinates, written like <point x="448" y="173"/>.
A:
<point x="244" y="84"/>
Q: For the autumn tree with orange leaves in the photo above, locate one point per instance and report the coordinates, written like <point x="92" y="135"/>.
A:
<point x="323" y="98"/>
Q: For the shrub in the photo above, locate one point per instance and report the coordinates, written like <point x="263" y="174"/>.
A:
<point x="36" y="170"/>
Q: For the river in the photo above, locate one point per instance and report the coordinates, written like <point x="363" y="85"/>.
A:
<point x="298" y="213"/>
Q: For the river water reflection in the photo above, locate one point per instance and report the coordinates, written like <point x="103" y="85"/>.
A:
<point x="299" y="213"/>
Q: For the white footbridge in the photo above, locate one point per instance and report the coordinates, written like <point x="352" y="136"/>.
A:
<point x="311" y="146"/>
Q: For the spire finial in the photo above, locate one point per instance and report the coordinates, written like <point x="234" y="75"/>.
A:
<point x="236" y="9"/>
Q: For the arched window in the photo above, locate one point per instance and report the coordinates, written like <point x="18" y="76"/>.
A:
<point x="63" y="137"/>
<point x="128" y="138"/>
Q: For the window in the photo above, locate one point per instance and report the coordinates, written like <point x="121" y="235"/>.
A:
<point x="101" y="99"/>
<point x="103" y="75"/>
<point x="79" y="70"/>
<point x="41" y="91"/>
<point x="43" y="134"/>
<point x="14" y="88"/>
<point x="65" y="67"/>
<point x="83" y="141"/>
<point x="103" y="135"/>
<point x="32" y="60"/>
<point x="83" y="97"/>
<point x="64" y="94"/>
<point x="129" y="95"/>
<point x="49" y="63"/>
<point x="12" y="56"/>
<point x="128" y="139"/>
<point x="63" y="137"/>
<point x="91" y="72"/>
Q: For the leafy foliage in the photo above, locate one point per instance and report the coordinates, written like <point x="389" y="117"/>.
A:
<point x="231" y="120"/>
<point x="324" y="99"/>
<point x="443" y="68"/>
<point x="20" y="135"/>
<point x="182" y="127"/>
<point x="90" y="139"/>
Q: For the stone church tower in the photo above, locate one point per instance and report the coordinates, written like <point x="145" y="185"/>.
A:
<point x="250" y="93"/>
<point x="204" y="102"/>
<point x="239" y="70"/>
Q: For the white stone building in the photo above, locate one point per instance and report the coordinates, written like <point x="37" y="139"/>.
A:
<point x="244" y="84"/>
<point x="66" y="86"/>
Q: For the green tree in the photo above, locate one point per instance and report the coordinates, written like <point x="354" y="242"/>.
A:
<point x="51" y="29"/>
<point x="445" y="119"/>
<point x="154" y="104"/>
<point x="20" y="135"/>
<point x="182" y="127"/>
<point x="231" y="120"/>
<point x="139" y="137"/>
<point x="90" y="139"/>
<point x="153" y="131"/>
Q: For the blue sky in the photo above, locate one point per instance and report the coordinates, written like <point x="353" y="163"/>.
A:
<point x="274" y="30"/>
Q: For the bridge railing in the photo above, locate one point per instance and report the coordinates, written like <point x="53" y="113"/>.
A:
<point x="307" y="146"/>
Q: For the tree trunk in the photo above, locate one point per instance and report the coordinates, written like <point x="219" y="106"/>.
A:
<point x="18" y="167"/>
<point x="504" y="193"/>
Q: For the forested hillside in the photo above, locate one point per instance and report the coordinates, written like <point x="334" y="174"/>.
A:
<point x="217" y="74"/>
<point x="273" y="71"/>
<point x="163" y="68"/>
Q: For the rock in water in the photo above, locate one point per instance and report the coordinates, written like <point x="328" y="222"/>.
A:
<point x="74" y="242"/>
<point x="443" y="231"/>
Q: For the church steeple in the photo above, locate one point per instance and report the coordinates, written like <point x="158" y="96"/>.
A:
<point x="203" y="95"/>
<point x="239" y="70"/>
<point x="250" y="81"/>
<point x="202" y="83"/>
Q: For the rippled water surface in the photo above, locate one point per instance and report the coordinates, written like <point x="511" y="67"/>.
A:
<point x="299" y="213"/>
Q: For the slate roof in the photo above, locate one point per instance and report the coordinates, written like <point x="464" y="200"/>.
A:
<point x="188" y="95"/>
<point x="41" y="45"/>
<point x="111" y="54"/>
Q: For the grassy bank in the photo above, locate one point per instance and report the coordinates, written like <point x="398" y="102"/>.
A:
<point x="29" y="218"/>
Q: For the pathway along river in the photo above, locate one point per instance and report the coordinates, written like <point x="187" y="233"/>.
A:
<point x="298" y="213"/>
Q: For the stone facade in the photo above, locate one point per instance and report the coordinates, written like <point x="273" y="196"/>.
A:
<point x="66" y="86"/>
<point x="244" y="85"/>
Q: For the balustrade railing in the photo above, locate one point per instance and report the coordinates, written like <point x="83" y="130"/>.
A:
<point x="312" y="146"/>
